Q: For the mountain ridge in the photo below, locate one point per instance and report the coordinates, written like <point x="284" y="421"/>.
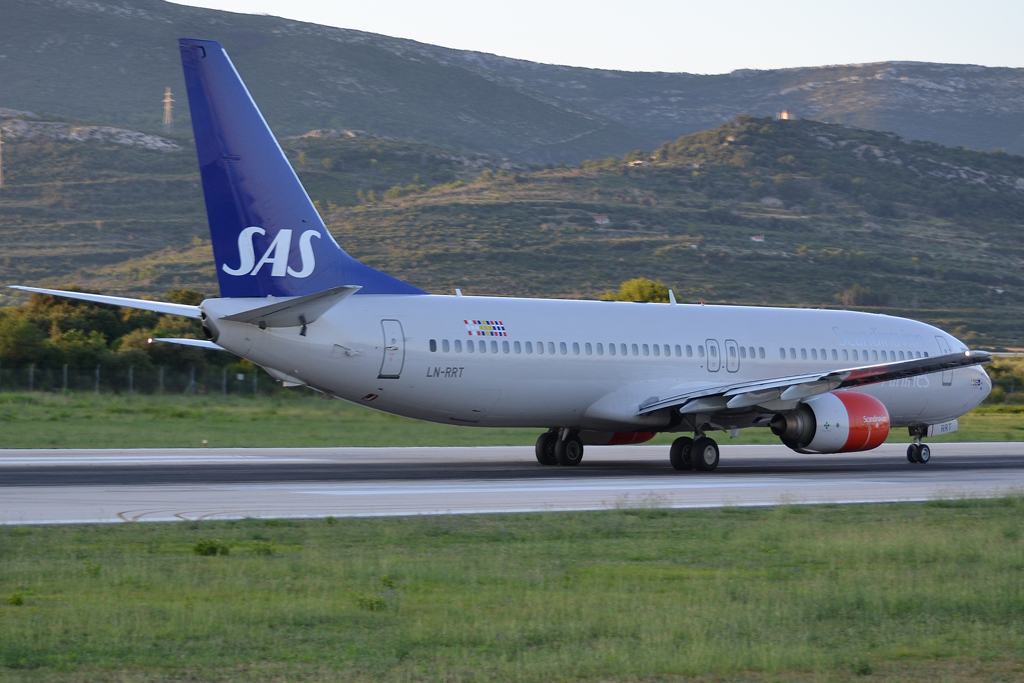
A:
<point x="109" y="61"/>
<point x="839" y="214"/>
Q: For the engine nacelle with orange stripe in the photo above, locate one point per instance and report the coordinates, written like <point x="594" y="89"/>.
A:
<point x="839" y="422"/>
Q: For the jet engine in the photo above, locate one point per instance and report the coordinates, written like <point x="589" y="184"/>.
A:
<point x="838" y="422"/>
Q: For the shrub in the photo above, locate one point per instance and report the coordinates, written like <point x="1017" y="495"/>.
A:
<point x="639" y="289"/>
<point x="369" y="602"/>
<point x="16" y="599"/>
<point x="209" y="547"/>
<point x="264" y="547"/>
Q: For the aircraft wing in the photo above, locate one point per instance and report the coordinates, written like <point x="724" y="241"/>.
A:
<point x="796" y="387"/>
<point x="164" y="307"/>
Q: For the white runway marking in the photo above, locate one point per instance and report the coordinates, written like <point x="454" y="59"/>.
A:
<point x="172" y="484"/>
<point x="545" y="487"/>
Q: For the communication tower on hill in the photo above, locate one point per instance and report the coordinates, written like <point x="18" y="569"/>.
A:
<point x="168" y="111"/>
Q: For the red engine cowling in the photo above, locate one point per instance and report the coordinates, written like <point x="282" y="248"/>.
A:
<point x="839" y="422"/>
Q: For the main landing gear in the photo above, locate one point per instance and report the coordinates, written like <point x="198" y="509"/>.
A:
<point x="918" y="453"/>
<point x="559" y="447"/>
<point x="700" y="454"/>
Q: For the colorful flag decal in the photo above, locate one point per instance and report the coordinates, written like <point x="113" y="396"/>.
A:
<point x="485" y="328"/>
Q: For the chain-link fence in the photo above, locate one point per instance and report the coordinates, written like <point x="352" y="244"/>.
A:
<point x="138" y="379"/>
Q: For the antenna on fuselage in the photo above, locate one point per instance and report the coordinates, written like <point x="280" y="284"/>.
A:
<point x="458" y="292"/>
<point x="671" y="297"/>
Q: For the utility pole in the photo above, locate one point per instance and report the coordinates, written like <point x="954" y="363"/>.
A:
<point x="168" y="111"/>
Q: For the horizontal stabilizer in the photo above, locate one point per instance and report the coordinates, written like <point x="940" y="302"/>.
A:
<point x="201" y="343"/>
<point x="164" y="307"/>
<point x="300" y="310"/>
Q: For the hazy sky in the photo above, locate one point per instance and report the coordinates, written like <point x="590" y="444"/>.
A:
<point x="679" y="35"/>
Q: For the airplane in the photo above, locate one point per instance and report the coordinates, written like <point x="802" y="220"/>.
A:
<point x="587" y="373"/>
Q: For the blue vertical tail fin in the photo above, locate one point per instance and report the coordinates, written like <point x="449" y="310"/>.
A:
<point x="268" y="238"/>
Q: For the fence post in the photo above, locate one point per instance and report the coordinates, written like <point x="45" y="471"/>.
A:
<point x="65" y="377"/>
<point x="161" y="376"/>
<point x="224" y="382"/>
<point x="254" y="384"/>
<point x="97" y="380"/>
<point x="131" y="380"/>
<point x="191" y="380"/>
<point x="31" y="376"/>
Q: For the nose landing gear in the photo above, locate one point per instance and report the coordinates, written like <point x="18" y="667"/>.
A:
<point x="918" y="453"/>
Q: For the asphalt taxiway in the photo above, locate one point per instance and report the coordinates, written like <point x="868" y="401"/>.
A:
<point x="75" y="486"/>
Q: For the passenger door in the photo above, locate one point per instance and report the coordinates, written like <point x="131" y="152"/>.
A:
<point x="732" y="356"/>
<point x="394" y="350"/>
<point x="947" y="375"/>
<point x="714" y="355"/>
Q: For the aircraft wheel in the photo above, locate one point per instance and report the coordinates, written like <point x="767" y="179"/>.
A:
<point x="912" y="453"/>
<point x="679" y="453"/>
<point x="924" y="454"/>
<point x="568" y="451"/>
<point x="546" y="448"/>
<point x="704" y="454"/>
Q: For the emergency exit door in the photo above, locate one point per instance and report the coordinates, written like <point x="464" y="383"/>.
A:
<point x="714" y="358"/>
<point x="394" y="350"/>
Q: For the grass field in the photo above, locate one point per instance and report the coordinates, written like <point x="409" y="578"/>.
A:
<point x="879" y="593"/>
<point x="86" y="420"/>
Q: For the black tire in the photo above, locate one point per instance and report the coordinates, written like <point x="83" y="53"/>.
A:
<point x="924" y="454"/>
<point x="704" y="454"/>
<point x="912" y="453"/>
<point x="679" y="454"/>
<point x="569" y="452"/>
<point x="546" y="448"/>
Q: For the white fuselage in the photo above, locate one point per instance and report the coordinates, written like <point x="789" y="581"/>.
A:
<point x="379" y="350"/>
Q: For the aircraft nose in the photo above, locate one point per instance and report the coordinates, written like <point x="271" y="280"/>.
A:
<point x="978" y="374"/>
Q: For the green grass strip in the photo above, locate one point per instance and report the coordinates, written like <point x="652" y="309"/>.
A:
<point x="897" y="592"/>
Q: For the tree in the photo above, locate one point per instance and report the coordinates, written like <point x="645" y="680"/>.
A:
<point x="20" y="340"/>
<point x="639" y="289"/>
<point x="78" y="348"/>
<point x="189" y="297"/>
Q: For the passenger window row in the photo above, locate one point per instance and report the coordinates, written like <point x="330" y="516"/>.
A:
<point x="667" y="350"/>
<point x="589" y="349"/>
<point x="850" y="354"/>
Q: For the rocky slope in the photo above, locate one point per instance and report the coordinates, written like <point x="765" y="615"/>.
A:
<point x="110" y="60"/>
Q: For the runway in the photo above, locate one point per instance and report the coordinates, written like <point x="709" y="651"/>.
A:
<point x="109" y="486"/>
